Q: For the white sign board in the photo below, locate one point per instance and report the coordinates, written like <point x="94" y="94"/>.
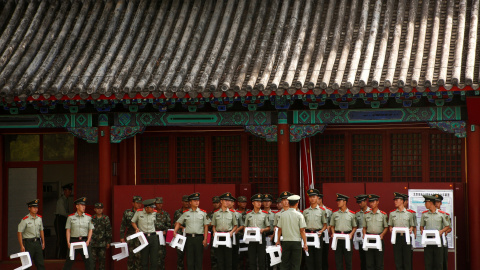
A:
<point x="417" y="204"/>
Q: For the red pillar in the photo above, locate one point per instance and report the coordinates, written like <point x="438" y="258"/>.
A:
<point x="105" y="168"/>
<point x="283" y="139"/>
<point x="473" y="189"/>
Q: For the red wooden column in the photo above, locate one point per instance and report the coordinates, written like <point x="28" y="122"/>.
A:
<point x="105" y="168"/>
<point x="473" y="188"/>
<point x="283" y="139"/>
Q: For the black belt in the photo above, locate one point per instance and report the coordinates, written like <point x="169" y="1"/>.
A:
<point x="194" y="235"/>
<point x="31" y="239"/>
<point x="346" y="232"/>
<point x="149" y="234"/>
<point x="311" y="231"/>
<point x="81" y="238"/>
<point x="373" y="233"/>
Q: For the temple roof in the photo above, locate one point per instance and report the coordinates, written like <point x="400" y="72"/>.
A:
<point x="141" y="48"/>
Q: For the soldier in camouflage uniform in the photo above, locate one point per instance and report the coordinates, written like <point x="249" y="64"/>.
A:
<point x="101" y="236"/>
<point x="176" y="216"/>
<point x="216" y="206"/>
<point x="126" y="229"/>
<point x="163" y="223"/>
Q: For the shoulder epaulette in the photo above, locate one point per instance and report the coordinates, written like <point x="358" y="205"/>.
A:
<point x="445" y="213"/>
<point x="25" y="217"/>
<point x="393" y="210"/>
<point x="301" y="211"/>
<point x="265" y="212"/>
<point x="249" y="211"/>
<point x="411" y="211"/>
<point x="383" y="212"/>
<point x="186" y="210"/>
<point x="336" y="211"/>
<point x="88" y="215"/>
<point x="41" y="216"/>
<point x="441" y="212"/>
<point x="238" y="211"/>
<point x="216" y="211"/>
<point x="154" y="210"/>
<point x="356" y="212"/>
<point x="71" y="215"/>
<point x="322" y="208"/>
<point x="141" y="209"/>
<point x="232" y="210"/>
<point x="425" y="211"/>
<point x="351" y="211"/>
<point x="368" y="212"/>
<point x="202" y="210"/>
<point x="273" y="211"/>
<point x="328" y="208"/>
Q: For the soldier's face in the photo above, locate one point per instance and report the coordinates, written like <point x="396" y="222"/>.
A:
<point x="438" y="204"/>
<point x="373" y="204"/>
<point x="33" y="209"/>
<point x="216" y="205"/>
<point x="313" y="199"/>
<point x="257" y="204"/>
<point x="186" y="204"/>
<point x="362" y="204"/>
<point x="159" y="205"/>
<point x="267" y="204"/>
<point x="137" y="205"/>
<point x="67" y="192"/>
<point x="242" y="205"/>
<point x="225" y="203"/>
<point x="398" y="202"/>
<point x="194" y="203"/>
<point x="80" y="208"/>
<point x="149" y="209"/>
<point x="279" y="205"/>
<point x="285" y="203"/>
<point x="98" y="211"/>
<point x="341" y="203"/>
<point x="428" y="205"/>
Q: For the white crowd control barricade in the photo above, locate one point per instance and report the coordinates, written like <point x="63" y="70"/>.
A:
<point x="78" y="245"/>
<point x="358" y="238"/>
<point x="142" y="238"/>
<point x="161" y="238"/>
<point x="252" y="234"/>
<point x="326" y="237"/>
<point x="234" y="239"/>
<point x="397" y="230"/>
<point x="218" y="239"/>
<point x="428" y="240"/>
<point x="268" y="242"/>
<point x="313" y="240"/>
<point x="178" y="242"/>
<point x="275" y="253"/>
<point x="243" y="246"/>
<point x="377" y="244"/>
<point x="24" y="259"/>
<point x="123" y="251"/>
<point x="412" y="240"/>
<point x="343" y="236"/>
<point x="444" y="240"/>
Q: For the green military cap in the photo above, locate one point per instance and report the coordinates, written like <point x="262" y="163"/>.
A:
<point x="159" y="200"/>
<point x="81" y="200"/>
<point x="242" y="199"/>
<point x="257" y="197"/>
<point x="227" y="196"/>
<point x="149" y="203"/>
<point x="429" y="198"/>
<point x="185" y="198"/>
<point x="33" y="203"/>
<point x="285" y="195"/>
<point x="438" y="197"/>
<point x="373" y="197"/>
<point x="99" y="205"/>
<point x="342" y="197"/>
<point x="398" y="195"/>
<point x="293" y="198"/>
<point x="279" y="200"/>
<point x="361" y="198"/>
<point x="194" y="196"/>
<point x="68" y="186"/>
<point x="137" y="199"/>
<point x="215" y="199"/>
<point x="267" y="197"/>
<point x="313" y="192"/>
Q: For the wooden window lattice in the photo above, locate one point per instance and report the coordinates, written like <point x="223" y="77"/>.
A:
<point x="328" y="157"/>
<point x="263" y="165"/>
<point x="406" y="160"/>
<point x="191" y="160"/>
<point x="445" y="158"/>
<point x="154" y="168"/>
<point x="367" y="157"/>
<point x="226" y="159"/>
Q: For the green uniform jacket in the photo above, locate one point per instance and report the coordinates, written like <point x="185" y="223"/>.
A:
<point x="163" y="221"/>
<point x="434" y="221"/>
<point x="291" y="223"/>
<point x="315" y="217"/>
<point x="126" y="228"/>
<point x="176" y="215"/>
<point x="259" y="220"/>
<point x="375" y="222"/>
<point x="194" y="221"/>
<point x="30" y="227"/>
<point x="102" y="234"/>
<point x="343" y="221"/>
<point x="79" y="225"/>
<point x="399" y="218"/>
<point x="359" y="216"/>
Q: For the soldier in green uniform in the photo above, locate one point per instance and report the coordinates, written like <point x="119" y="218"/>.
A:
<point x="433" y="219"/>
<point x="63" y="209"/>
<point x="438" y="205"/>
<point x="400" y="217"/>
<point x="101" y="236"/>
<point x="235" y="246"/>
<point x="126" y="229"/>
<point x="163" y="223"/>
<point x="414" y="215"/>
<point x="79" y="229"/>
<point x="257" y="218"/>
<point x="144" y="221"/>
<point x="242" y="209"/>
<point x="292" y="227"/>
<point x="279" y="206"/>
<point x="362" y="203"/>
<point x="178" y="213"/>
<point x="266" y="203"/>
<point x="30" y="235"/>
<point x="375" y="222"/>
<point x="325" y="246"/>
<point x="343" y="221"/>
<point x="316" y="220"/>
<point x="196" y="223"/>
<point x="216" y="205"/>
<point x="284" y="202"/>
<point x="224" y="221"/>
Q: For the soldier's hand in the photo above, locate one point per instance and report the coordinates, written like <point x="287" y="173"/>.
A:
<point x="108" y="245"/>
<point x="204" y="242"/>
<point x="174" y="234"/>
<point x="68" y="245"/>
<point x="278" y="243"/>
<point x="22" y="249"/>
<point x="122" y="240"/>
<point x="305" y="247"/>
<point x="43" y="246"/>
<point x="88" y="243"/>
<point x="381" y="236"/>
<point x="137" y="230"/>
<point x="231" y="233"/>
